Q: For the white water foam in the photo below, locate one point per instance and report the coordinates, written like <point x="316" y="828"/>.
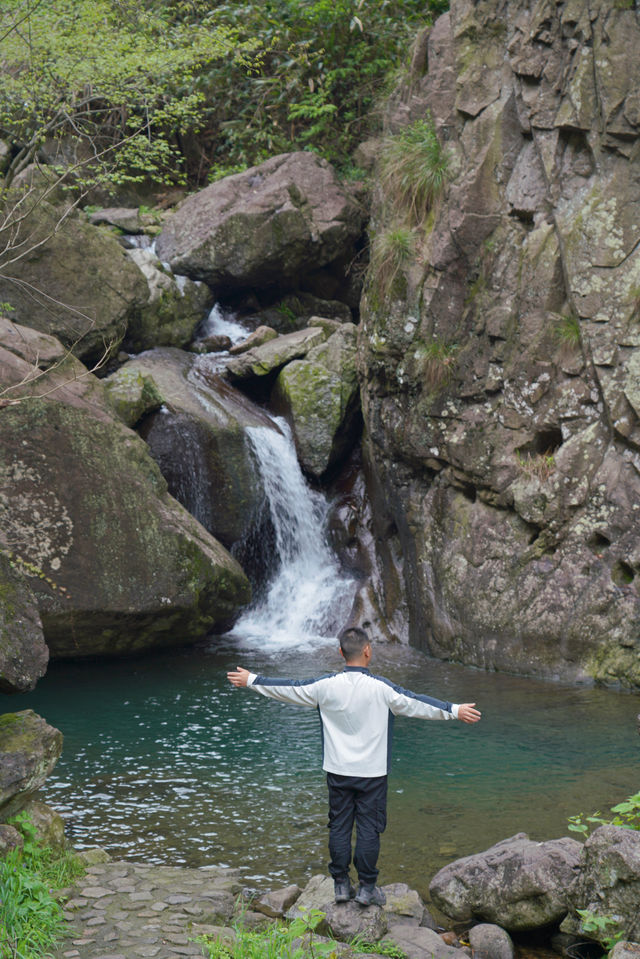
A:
<point x="221" y="322"/>
<point x="309" y="598"/>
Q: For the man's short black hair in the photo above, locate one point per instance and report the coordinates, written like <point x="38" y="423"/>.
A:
<point x="352" y="642"/>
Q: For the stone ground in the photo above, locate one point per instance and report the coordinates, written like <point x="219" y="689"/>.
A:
<point x="122" y="910"/>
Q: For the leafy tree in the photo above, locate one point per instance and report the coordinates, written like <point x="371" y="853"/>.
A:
<point x="118" y="78"/>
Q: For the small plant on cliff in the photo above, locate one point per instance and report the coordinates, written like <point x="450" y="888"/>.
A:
<point x="540" y="465"/>
<point x="391" y="250"/>
<point x="567" y="330"/>
<point x="436" y="362"/>
<point x="414" y="169"/>
<point x="627" y="815"/>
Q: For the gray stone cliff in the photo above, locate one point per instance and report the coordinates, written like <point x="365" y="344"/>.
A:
<point x="501" y="370"/>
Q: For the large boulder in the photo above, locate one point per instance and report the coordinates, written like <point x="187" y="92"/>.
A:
<point x="70" y="279"/>
<point x="199" y="441"/>
<point x="175" y="307"/>
<point x="319" y="395"/>
<point x="607" y="886"/>
<point x="29" y="749"/>
<point x="23" y="651"/>
<point x="265" y="227"/>
<point x="500" y="368"/>
<point x="262" y="363"/>
<point x="116" y="564"/>
<point x="517" y="884"/>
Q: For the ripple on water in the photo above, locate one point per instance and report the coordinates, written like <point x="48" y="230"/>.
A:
<point x="164" y="762"/>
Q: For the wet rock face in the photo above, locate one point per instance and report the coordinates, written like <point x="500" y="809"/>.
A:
<point x="265" y="227"/>
<point x="501" y="373"/>
<point x="115" y="564"/>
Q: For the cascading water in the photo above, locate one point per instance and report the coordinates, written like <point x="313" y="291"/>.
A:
<point x="308" y="599"/>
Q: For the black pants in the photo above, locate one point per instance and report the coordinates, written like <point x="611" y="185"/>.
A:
<point x="363" y="800"/>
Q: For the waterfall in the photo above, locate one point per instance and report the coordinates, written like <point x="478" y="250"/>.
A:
<point x="221" y="322"/>
<point x="308" y="599"/>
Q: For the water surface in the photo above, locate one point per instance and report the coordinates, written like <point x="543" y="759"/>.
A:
<point x="165" y="762"/>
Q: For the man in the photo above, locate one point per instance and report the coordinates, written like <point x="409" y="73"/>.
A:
<point x="356" y="709"/>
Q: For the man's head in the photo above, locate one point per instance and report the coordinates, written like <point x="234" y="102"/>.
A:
<point x="354" y="645"/>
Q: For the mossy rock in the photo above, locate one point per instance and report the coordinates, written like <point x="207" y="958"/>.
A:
<point x="29" y="750"/>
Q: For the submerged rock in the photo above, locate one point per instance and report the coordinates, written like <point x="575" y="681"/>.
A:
<point x="517" y="884"/>
<point x="29" y="750"/>
<point x="265" y="227"/>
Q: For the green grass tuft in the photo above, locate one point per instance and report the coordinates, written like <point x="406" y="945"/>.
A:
<point x="414" y="168"/>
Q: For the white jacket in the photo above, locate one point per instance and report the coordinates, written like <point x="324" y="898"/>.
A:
<point x="357" y="711"/>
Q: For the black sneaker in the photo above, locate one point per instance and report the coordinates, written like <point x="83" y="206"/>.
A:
<point x="370" y="895"/>
<point x="343" y="890"/>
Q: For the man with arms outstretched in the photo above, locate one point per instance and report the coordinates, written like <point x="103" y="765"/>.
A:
<point x="357" y="710"/>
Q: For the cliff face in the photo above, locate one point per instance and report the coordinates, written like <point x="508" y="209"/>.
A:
<point x="501" y="374"/>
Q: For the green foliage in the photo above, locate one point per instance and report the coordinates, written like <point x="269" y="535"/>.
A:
<point x="567" y="330"/>
<point x="294" y="941"/>
<point x="437" y="362"/>
<point x="31" y="920"/>
<point x="414" y="169"/>
<point x="595" y="925"/>
<point x="113" y="73"/>
<point x="321" y="70"/>
<point x="391" y="250"/>
<point x="627" y="815"/>
<point x="540" y="465"/>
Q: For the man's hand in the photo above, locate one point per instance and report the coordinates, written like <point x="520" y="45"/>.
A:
<point x="467" y="713"/>
<point x="239" y="677"/>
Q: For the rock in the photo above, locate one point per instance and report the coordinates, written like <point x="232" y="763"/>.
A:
<point x="490" y="942"/>
<point x="93" y="856"/>
<point x="517" y="884"/>
<point x="78" y="286"/>
<point x="115" y="563"/>
<point x="198" y="441"/>
<point x="264" y="361"/>
<point x="23" y="651"/>
<point x="263" y="227"/>
<point x="317" y="894"/>
<point x="48" y="824"/>
<point x="211" y="344"/>
<point x="295" y="311"/>
<point x="175" y="307"/>
<point x="29" y="750"/>
<point x="320" y="397"/>
<point x="625" y="950"/>
<point x="277" y="902"/>
<point x="132" y="394"/>
<point x="38" y="349"/>
<point x="10" y="839"/>
<point x="607" y="884"/>
<point x="124" y="218"/>
<point x="259" y="336"/>
<point x="419" y="943"/>
<point x="403" y="905"/>
<point x="345" y="921"/>
<point x="499" y="393"/>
